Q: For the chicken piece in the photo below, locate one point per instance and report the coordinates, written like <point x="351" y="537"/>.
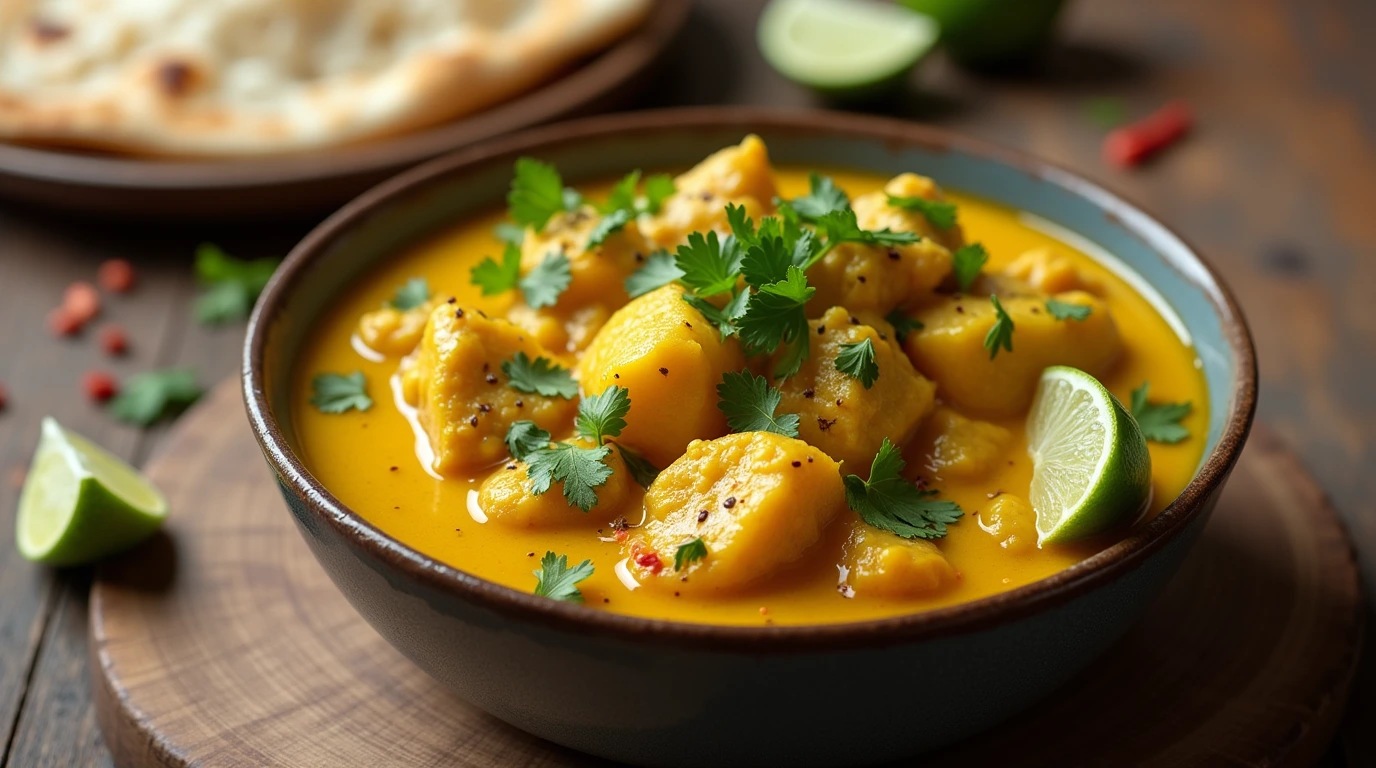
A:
<point x="507" y="500"/>
<point x="837" y="413"/>
<point x="670" y="359"/>
<point x="757" y="500"/>
<point x="1012" y="521"/>
<point x="950" y="348"/>
<point x="874" y="212"/>
<point x="394" y="332"/>
<point x="962" y="447"/>
<point x="738" y="175"/>
<point x="1049" y="272"/>
<point x="884" y="564"/>
<point x="564" y="334"/>
<point x="461" y="396"/>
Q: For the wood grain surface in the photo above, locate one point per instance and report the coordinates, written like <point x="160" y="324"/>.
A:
<point x="223" y="644"/>
<point x="1274" y="186"/>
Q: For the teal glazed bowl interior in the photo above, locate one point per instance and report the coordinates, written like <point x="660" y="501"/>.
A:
<point x="668" y="693"/>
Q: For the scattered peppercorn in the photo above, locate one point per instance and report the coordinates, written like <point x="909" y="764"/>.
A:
<point x="458" y="313"/>
<point x="797" y="463"/>
<point x="895" y="255"/>
<point x="729" y="502"/>
<point x="484" y="407"/>
<point x="663" y="371"/>
<point x="472" y="421"/>
<point x="702" y="516"/>
<point x="808" y="393"/>
<point x="392" y="469"/>
<point x="491" y="378"/>
<point x="861" y="278"/>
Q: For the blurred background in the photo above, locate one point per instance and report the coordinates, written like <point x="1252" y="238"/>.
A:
<point x="1264" y="158"/>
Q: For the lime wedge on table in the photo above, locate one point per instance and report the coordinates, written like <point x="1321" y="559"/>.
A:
<point x="81" y="503"/>
<point x="1090" y="466"/>
<point x="843" y="45"/>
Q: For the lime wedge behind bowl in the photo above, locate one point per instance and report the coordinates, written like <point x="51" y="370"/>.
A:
<point x="844" y="47"/>
<point x="81" y="503"/>
<point x="1090" y="467"/>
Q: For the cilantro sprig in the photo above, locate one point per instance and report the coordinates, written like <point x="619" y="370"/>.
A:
<point x="411" y="294"/>
<point x="1000" y="335"/>
<point x="147" y="397"/>
<point x="557" y="581"/>
<point x="749" y="404"/>
<point x="494" y="277"/>
<point x="687" y="553"/>
<point x="725" y="317"/>
<point x="603" y="415"/>
<point x="337" y="393"/>
<point x="775" y="316"/>
<point x="1064" y="310"/>
<point x="857" y="361"/>
<point x="1160" y="422"/>
<point x="903" y="324"/>
<point x="823" y="197"/>
<point x="622" y="205"/>
<point x="892" y="503"/>
<point x="940" y="213"/>
<point x="842" y="227"/>
<point x="538" y="193"/>
<point x="658" y="271"/>
<point x="542" y="286"/>
<point x="230" y="285"/>
<point x="580" y="470"/>
<point x="710" y="265"/>
<point x="966" y="263"/>
<point x="539" y="376"/>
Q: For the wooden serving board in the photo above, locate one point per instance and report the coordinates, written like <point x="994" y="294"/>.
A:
<point x="223" y="644"/>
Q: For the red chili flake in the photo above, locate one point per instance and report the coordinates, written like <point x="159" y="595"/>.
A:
<point x="729" y="502"/>
<point x="82" y="301"/>
<point x="62" y="322"/>
<point x="621" y="535"/>
<point x="113" y="340"/>
<point x="823" y="424"/>
<point x="100" y="386"/>
<point x="115" y="275"/>
<point x="1129" y="145"/>
<point x="651" y="561"/>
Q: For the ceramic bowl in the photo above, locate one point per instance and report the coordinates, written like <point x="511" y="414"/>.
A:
<point x="668" y="693"/>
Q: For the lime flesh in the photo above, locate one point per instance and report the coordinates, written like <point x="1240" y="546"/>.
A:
<point x="1090" y="467"/>
<point x="81" y="503"/>
<point x="843" y="45"/>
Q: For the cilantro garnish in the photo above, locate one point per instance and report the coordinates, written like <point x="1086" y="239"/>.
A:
<point x="603" y="415"/>
<point x="540" y="376"/>
<point x="524" y="438"/>
<point x="902" y="324"/>
<point x="579" y="469"/>
<point x="775" y="316"/>
<point x="1160" y="422"/>
<point x="658" y="188"/>
<point x="780" y="241"/>
<point x="509" y="233"/>
<point x="658" y="271"/>
<point x="494" y="278"/>
<point x="823" y="197"/>
<point x="1064" y="310"/>
<point x="557" y="581"/>
<point x="622" y="197"/>
<point x="966" y="263"/>
<point x="841" y="227"/>
<point x="231" y="286"/>
<point x="687" y="553"/>
<point x="642" y="471"/>
<point x="538" y="193"/>
<point x="1000" y="336"/>
<point x="892" y="503"/>
<point x="147" y="397"/>
<point x="411" y="295"/>
<point x="709" y="265"/>
<point x="940" y="213"/>
<point x="749" y="404"/>
<point x="336" y="393"/>
<point x="622" y="206"/>
<point x="610" y="224"/>
<point x="857" y="361"/>
<point x="724" y="318"/>
<point x="541" y="286"/>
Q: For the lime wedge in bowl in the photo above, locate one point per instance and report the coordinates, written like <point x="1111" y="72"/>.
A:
<point x="81" y="503"/>
<point x="843" y="46"/>
<point x="1090" y="465"/>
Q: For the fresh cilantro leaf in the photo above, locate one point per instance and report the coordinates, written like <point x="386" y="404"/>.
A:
<point x="1160" y="422"/>
<point x="709" y="265"/>
<point x="642" y="471"/>
<point x="510" y="234"/>
<point x="902" y="324"/>
<point x="411" y="295"/>
<point x="658" y="271"/>
<point x="603" y="415"/>
<point x="622" y="197"/>
<point x="524" y="438"/>
<point x="775" y="315"/>
<point x="966" y="263"/>
<point x="541" y="286"/>
<point x="766" y="261"/>
<point x="940" y="213"/>
<point x="231" y="285"/>
<point x="842" y="227"/>
<point x="749" y="404"/>
<point x="537" y="194"/>
<point x="889" y="502"/>
<point x="658" y="188"/>
<point x="1000" y="335"/>
<point x="494" y="278"/>
<point x="1064" y="310"/>
<point x="336" y="393"/>
<point x="149" y="396"/>
<point x="556" y="580"/>
<point x="740" y="223"/>
<point x="687" y="553"/>
<point x="780" y="241"/>
<point x="610" y="224"/>
<point x="725" y="318"/>
<point x="579" y="469"/>
<point x="540" y="376"/>
<point x="857" y="361"/>
<point x="824" y="197"/>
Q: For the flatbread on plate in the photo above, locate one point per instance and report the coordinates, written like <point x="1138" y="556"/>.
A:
<point x="252" y="77"/>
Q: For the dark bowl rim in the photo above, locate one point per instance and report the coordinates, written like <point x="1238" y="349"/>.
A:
<point x="1005" y="607"/>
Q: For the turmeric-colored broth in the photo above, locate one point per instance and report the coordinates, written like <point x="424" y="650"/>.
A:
<point x="369" y="461"/>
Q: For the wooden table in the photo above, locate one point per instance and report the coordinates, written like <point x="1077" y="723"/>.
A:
<point x="1275" y="187"/>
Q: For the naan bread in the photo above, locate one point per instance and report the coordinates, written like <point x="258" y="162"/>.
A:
<point x="248" y="77"/>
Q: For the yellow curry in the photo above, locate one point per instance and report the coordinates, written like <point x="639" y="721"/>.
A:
<point x="491" y="400"/>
